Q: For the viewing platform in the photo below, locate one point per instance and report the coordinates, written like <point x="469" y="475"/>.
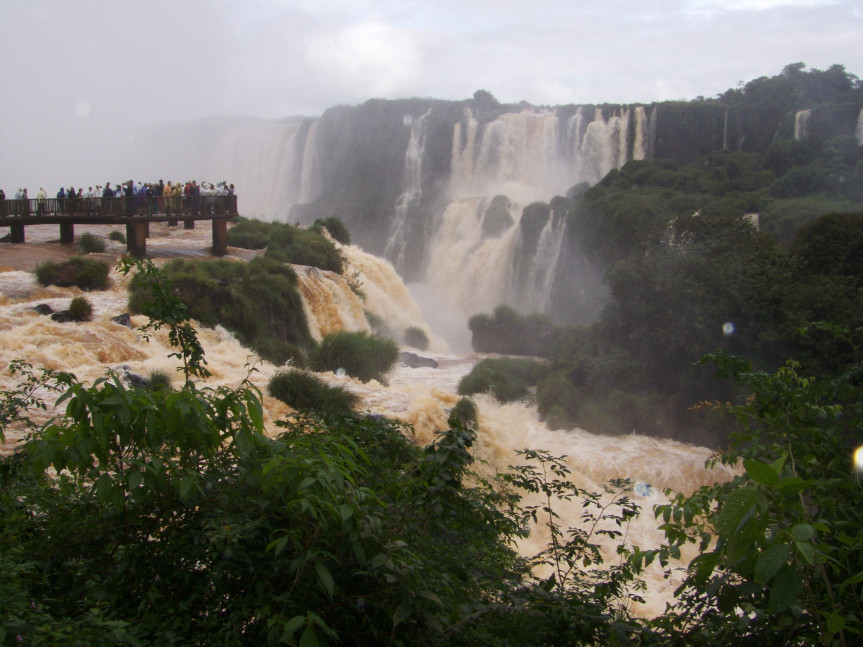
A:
<point x="135" y="212"/>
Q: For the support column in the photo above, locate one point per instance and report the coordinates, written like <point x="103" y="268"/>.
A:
<point x="220" y="237"/>
<point x="67" y="233"/>
<point x="136" y="239"/>
<point x="16" y="233"/>
<point x="188" y="224"/>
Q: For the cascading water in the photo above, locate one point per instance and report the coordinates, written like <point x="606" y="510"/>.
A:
<point x="412" y="188"/>
<point x="859" y="131"/>
<point x="801" y="124"/>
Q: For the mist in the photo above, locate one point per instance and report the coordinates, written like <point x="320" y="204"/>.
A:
<point x="85" y="83"/>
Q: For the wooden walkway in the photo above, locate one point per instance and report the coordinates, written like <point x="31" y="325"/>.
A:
<point x="136" y="214"/>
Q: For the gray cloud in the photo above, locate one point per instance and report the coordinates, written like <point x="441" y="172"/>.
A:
<point x="80" y="78"/>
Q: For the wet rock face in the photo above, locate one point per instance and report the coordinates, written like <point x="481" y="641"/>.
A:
<point x="43" y="309"/>
<point x="62" y="316"/>
<point x="412" y="360"/>
<point x="124" y="320"/>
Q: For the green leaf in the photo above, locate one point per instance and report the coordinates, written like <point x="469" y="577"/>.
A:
<point x="806" y="550"/>
<point x="787" y="586"/>
<point x="135" y="479"/>
<point x="310" y="638"/>
<point x="325" y="579"/>
<point x="851" y="581"/>
<point x="291" y="627"/>
<point x="428" y="595"/>
<point x="401" y="613"/>
<point x="761" y="472"/>
<point x="769" y="562"/>
<point x="835" y="623"/>
<point x="802" y="532"/>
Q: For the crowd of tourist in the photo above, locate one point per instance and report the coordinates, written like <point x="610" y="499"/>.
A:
<point x="128" y="198"/>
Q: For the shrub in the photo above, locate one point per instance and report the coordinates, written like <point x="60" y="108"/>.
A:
<point x="362" y="355"/>
<point x="465" y="412"/>
<point x="117" y="236"/>
<point x="417" y="338"/>
<point x="80" y="309"/>
<point x="258" y="301"/>
<point x="91" y="244"/>
<point x="507" y="379"/>
<point x="84" y="273"/>
<point x="287" y="243"/>
<point x="305" y="392"/>
<point x="280" y="352"/>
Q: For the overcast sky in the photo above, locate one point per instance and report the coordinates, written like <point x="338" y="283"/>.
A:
<point x="78" y="71"/>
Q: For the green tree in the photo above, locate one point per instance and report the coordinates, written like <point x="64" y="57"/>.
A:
<point x="779" y="545"/>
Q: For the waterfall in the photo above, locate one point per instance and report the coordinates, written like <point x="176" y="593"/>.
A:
<point x="259" y="158"/>
<point x="603" y="146"/>
<point x="311" y="183"/>
<point x="860" y="128"/>
<point x="411" y="190"/>
<point x="535" y="294"/>
<point x="516" y="155"/>
<point x="471" y="271"/>
<point x="801" y="124"/>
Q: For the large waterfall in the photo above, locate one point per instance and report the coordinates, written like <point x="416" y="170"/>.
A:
<point x="419" y="184"/>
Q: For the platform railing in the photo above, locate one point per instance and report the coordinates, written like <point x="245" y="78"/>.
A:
<point x="179" y="206"/>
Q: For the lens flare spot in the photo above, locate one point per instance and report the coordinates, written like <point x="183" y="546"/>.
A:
<point x="727" y="328"/>
<point x="858" y="463"/>
<point x="82" y="108"/>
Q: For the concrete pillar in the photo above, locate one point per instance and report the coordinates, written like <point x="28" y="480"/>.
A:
<point x="16" y="233"/>
<point x="188" y="224"/>
<point x="220" y="237"/>
<point x="136" y="239"/>
<point x="67" y="233"/>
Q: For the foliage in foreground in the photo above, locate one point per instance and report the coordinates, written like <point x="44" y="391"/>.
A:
<point x="781" y="546"/>
<point x="148" y="515"/>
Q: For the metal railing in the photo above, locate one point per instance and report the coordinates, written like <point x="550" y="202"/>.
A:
<point x="179" y="206"/>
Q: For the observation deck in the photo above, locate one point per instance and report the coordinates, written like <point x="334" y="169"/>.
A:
<point x="135" y="212"/>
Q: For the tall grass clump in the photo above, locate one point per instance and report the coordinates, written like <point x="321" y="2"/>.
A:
<point x="80" y="309"/>
<point x="361" y="355"/>
<point x="159" y="380"/>
<point x="84" y="273"/>
<point x="117" y="237"/>
<point x="507" y="378"/>
<point x="305" y="392"/>
<point x="91" y="244"/>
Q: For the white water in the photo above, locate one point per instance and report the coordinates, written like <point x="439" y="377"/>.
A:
<point x="801" y="124"/>
<point x="860" y="128"/>
<point x="421" y="397"/>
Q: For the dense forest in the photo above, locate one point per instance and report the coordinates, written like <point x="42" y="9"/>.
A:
<point x="146" y="514"/>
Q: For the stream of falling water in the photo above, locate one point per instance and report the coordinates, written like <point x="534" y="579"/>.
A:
<point x="421" y="397"/>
